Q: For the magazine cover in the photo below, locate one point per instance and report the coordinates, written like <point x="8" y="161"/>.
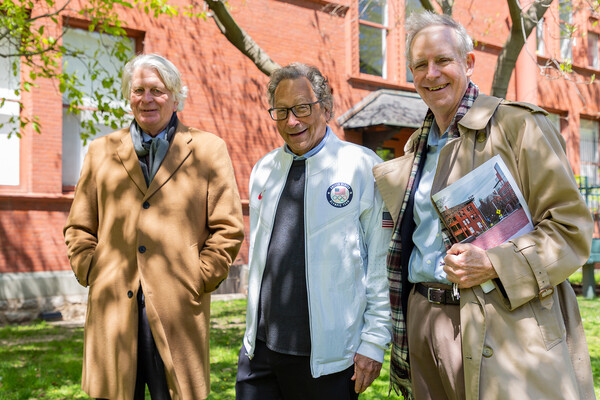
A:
<point x="484" y="207"/>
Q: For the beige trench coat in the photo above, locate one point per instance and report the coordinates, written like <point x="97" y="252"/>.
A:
<point x="177" y="238"/>
<point x="522" y="346"/>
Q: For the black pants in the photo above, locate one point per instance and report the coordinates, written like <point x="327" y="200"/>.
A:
<point x="275" y="376"/>
<point x="150" y="367"/>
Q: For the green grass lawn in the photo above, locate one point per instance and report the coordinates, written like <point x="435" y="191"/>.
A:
<point x="42" y="361"/>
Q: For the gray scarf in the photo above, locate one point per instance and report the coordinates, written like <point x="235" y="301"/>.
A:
<point x="152" y="153"/>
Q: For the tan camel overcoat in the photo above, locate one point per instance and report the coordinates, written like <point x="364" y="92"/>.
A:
<point x="177" y="238"/>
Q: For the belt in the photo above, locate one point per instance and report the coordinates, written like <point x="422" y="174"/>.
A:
<point x="437" y="295"/>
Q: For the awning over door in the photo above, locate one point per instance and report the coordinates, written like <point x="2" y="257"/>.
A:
<point x="392" y="108"/>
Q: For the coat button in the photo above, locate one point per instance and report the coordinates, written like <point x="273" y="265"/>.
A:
<point x="481" y="137"/>
<point x="130" y="294"/>
<point x="146" y="205"/>
<point x="487" y="352"/>
<point x="142" y="249"/>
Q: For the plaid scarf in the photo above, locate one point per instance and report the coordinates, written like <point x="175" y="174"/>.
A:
<point x="399" y="363"/>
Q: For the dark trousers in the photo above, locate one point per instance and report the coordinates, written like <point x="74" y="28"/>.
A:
<point x="150" y="367"/>
<point x="276" y="376"/>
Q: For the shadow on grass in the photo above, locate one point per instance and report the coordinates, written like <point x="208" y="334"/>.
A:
<point x="227" y="328"/>
<point x="41" y="361"/>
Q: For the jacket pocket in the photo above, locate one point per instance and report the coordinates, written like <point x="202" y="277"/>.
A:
<point x="550" y="322"/>
<point x="94" y="268"/>
<point x="193" y="265"/>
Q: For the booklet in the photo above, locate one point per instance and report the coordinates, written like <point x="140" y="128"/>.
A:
<point x="485" y="208"/>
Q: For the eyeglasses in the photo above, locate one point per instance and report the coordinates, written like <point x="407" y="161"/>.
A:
<point x="299" y="111"/>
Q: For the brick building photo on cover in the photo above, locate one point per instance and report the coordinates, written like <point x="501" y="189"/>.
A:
<point x="358" y="44"/>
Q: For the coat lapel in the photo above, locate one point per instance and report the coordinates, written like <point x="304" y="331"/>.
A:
<point x="126" y="154"/>
<point x="178" y="152"/>
<point x="392" y="180"/>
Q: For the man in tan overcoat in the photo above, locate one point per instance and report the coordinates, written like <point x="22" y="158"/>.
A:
<point x="522" y="337"/>
<point x="155" y="224"/>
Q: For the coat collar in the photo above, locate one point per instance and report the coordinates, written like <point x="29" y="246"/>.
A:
<point x="179" y="150"/>
<point x="319" y="161"/>
<point x="481" y="112"/>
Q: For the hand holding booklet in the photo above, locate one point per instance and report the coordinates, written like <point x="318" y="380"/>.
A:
<point x="485" y="208"/>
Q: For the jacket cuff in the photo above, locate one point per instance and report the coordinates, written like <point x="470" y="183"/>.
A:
<point x="372" y="351"/>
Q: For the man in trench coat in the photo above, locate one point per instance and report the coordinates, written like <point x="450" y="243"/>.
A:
<point x="154" y="226"/>
<point x="524" y="338"/>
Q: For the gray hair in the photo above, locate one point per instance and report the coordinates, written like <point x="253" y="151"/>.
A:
<point x="168" y="73"/>
<point x="295" y="70"/>
<point x="418" y="21"/>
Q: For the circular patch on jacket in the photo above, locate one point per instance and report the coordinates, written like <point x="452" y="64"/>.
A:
<point x="339" y="194"/>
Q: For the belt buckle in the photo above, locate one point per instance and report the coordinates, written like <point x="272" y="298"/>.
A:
<point x="429" y="299"/>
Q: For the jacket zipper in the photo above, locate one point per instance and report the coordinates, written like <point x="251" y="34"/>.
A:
<point x="251" y="356"/>
<point x="310" y="328"/>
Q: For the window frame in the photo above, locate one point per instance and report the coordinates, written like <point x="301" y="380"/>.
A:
<point x="395" y="77"/>
<point x="565" y="42"/>
<point x="593" y="51"/>
<point x="540" y="39"/>
<point x="385" y="32"/>
<point x="79" y="149"/>
<point x="10" y="163"/>
<point x="595" y="151"/>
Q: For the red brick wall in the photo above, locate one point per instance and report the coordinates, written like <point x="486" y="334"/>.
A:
<point x="227" y="97"/>
<point x="31" y="234"/>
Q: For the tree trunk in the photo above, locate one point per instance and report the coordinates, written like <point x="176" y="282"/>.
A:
<point x="522" y="26"/>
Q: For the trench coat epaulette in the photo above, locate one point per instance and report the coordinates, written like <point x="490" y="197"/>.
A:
<point x="532" y="107"/>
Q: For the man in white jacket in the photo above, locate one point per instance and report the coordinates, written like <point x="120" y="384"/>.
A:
<point x="318" y="319"/>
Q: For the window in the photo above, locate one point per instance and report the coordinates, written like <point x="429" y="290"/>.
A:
<point x="9" y="82"/>
<point x="555" y="119"/>
<point x="539" y="33"/>
<point x="373" y="33"/>
<point x="592" y="50"/>
<point x="565" y="14"/>
<point x="588" y="152"/>
<point x="94" y="48"/>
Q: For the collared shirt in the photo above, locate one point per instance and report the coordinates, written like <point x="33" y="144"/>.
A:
<point x="147" y="138"/>
<point x="426" y="259"/>
<point x="312" y="151"/>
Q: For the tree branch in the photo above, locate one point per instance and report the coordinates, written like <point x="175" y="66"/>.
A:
<point x="427" y="5"/>
<point x="522" y="26"/>
<point x="446" y="6"/>
<point x="239" y="38"/>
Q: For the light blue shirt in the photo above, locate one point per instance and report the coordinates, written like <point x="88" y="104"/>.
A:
<point x="427" y="257"/>
<point x="147" y="138"/>
<point x="312" y="151"/>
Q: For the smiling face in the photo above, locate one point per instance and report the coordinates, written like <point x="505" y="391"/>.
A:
<point x="304" y="133"/>
<point x="151" y="102"/>
<point x="440" y="74"/>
